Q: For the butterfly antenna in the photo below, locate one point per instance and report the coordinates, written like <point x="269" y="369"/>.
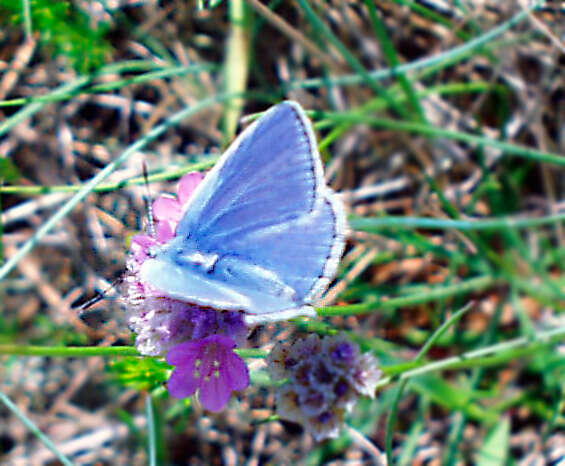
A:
<point x="91" y="302"/>
<point x="149" y="203"/>
<point x="99" y="296"/>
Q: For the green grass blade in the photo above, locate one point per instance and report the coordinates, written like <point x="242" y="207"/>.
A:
<point x="373" y="225"/>
<point x="107" y="187"/>
<point x="151" y="431"/>
<point x="393" y="60"/>
<point x="33" y="108"/>
<point x="443" y="59"/>
<point x="34" y="430"/>
<point x="351" y="59"/>
<point x="508" y="149"/>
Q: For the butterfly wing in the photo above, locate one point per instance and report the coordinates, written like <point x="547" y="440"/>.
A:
<point x="262" y="233"/>
<point x="270" y="174"/>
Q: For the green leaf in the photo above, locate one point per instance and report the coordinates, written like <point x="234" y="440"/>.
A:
<point x="140" y="373"/>
<point x="8" y="171"/>
<point x="454" y="398"/>
<point x="497" y="443"/>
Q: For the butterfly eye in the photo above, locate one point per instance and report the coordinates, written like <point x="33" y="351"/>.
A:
<point x="152" y="251"/>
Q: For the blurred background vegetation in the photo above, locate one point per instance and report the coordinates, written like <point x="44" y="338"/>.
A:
<point x="441" y="123"/>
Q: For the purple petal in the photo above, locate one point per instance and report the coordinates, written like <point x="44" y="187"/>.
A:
<point x="235" y="372"/>
<point x="226" y="372"/>
<point x="205" y="324"/>
<point x="214" y="394"/>
<point x="182" y="383"/>
<point x="223" y="342"/>
<point x="187" y="185"/>
<point x="186" y="352"/>
<point x="210" y="366"/>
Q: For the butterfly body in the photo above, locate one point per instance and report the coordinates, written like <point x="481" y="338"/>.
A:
<point x="262" y="233"/>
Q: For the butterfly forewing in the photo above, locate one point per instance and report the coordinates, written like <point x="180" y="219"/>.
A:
<point x="268" y="176"/>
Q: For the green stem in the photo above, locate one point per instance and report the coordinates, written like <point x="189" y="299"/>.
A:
<point x="27" y="19"/>
<point x="69" y="351"/>
<point x="408" y="223"/>
<point x="433" y="294"/>
<point x="151" y="431"/>
<point x="492" y="355"/>
<point x="106" y="187"/>
<point x="90" y="351"/>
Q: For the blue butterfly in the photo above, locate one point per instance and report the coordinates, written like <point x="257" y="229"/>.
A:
<point x="262" y="233"/>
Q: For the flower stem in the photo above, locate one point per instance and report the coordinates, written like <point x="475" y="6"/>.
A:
<point x="90" y="351"/>
<point x="69" y="351"/>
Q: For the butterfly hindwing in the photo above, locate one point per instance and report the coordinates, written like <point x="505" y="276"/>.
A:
<point x="303" y="252"/>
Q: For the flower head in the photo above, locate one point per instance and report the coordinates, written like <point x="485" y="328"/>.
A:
<point x="161" y="323"/>
<point x="198" y="341"/>
<point x="210" y="367"/>
<point x="325" y="377"/>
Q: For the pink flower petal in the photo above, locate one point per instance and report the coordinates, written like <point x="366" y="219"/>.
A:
<point x="142" y="241"/>
<point x="187" y="185"/>
<point x="165" y="232"/>
<point x="166" y="208"/>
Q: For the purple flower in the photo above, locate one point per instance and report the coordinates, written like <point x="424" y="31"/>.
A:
<point x="161" y="323"/>
<point x="210" y="367"/>
<point x="324" y="378"/>
<point x="198" y="341"/>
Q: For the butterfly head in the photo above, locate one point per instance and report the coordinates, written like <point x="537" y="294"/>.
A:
<point x="182" y="252"/>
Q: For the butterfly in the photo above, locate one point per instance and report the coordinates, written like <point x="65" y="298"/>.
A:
<point x="262" y="233"/>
